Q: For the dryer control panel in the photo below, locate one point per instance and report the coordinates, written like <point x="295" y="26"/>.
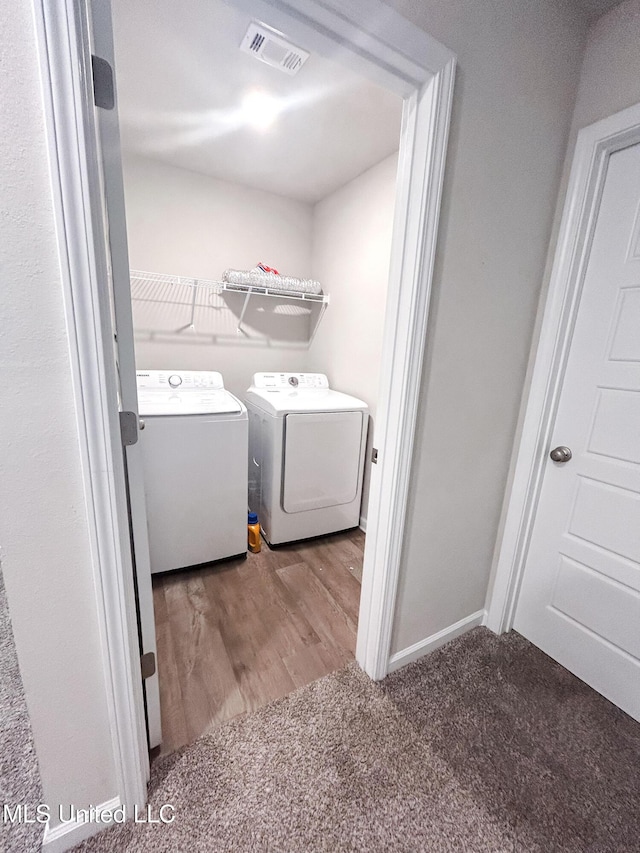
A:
<point x="287" y="381"/>
<point x="183" y="380"/>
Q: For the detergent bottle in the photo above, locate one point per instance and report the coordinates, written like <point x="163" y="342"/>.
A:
<point x="254" y="533"/>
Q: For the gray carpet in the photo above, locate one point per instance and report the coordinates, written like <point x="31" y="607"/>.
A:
<point x="19" y="775"/>
<point x="486" y="745"/>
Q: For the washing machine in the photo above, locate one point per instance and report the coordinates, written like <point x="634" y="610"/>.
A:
<point x="194" y="448"/>
<point x="306" y="455"/>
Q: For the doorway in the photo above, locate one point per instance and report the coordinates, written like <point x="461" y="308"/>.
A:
<point x="394" y="53"/>
<point x="232" y="163"/>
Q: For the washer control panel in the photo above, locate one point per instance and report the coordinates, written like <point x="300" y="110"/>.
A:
<point x="179" y="380"/>
<point x="289" y="381"/>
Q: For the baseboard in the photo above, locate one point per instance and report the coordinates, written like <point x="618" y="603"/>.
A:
<point x="430" y="644"/>
<point x="64" y="836"/>
<point x="363" y="524"/>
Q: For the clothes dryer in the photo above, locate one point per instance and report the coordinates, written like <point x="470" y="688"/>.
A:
<point x="306" y="455"/>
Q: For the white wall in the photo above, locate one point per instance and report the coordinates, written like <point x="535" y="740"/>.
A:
<point x="43" y="528"/>
<point x="183" y="223"/>
<point x="610" y="77"/>
<point x="518" y="67"/>
<point x="609" y="82"/>
<point x="351" y="252"/>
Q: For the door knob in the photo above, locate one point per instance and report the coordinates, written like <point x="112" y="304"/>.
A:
<point x="141" y="424"/>
<point x="560" y="454"/>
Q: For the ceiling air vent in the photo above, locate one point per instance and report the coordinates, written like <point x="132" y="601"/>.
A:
<point x="271" y="47"/>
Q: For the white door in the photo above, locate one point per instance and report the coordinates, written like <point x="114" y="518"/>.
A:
<point x="580" y="598"/>
<point x="113" y="198"/>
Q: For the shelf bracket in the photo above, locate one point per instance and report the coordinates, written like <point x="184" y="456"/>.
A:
<point x="317" y="325"/>
<point x="191" y="324"/>
<point x="244" y="309"/>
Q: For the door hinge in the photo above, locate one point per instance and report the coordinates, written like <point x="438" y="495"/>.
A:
<point x="128" y="428"/>
<point x="374" y="455"/>
<point x="104" y="94"/>
<point x="148" y="664"/>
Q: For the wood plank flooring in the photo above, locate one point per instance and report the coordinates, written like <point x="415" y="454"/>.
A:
<point x="237" y="635"/>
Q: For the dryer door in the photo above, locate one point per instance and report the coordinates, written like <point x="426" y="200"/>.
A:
<point x="322" y="459"/>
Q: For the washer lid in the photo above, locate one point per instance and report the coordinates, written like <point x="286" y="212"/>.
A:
<point x="188" y="403"/>
<point x="184" y="392"/>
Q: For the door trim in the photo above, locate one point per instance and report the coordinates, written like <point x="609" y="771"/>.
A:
<point x="64" y="59"/>
<point x="423" y="71"/>
<point x="420" y="177"/>
<point x="594" y="146"/>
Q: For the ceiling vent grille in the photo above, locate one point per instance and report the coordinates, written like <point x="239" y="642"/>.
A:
<point x="270" y="47"/>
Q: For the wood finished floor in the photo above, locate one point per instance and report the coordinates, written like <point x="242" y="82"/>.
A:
<point x="238" y="635"/>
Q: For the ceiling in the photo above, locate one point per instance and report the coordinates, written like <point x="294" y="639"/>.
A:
<point x="181" y="78"/>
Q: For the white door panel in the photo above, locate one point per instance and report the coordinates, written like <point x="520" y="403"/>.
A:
<point x="624" y="344"/>
<point x="321" y="460"/>
<point x="615" y="406"/>
<point x="580" y="597"/>
<point x="593" y="599"/>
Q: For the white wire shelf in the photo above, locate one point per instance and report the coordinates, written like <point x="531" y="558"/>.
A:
<point x="180" y="290"/>
<point x="270" y="291"/>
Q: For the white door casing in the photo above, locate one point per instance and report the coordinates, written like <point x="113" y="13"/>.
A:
<point x="120" y="288"/>
<point x="396" y="53"/>
<point x="580" y="595"/>
<point x="63" y="35"/>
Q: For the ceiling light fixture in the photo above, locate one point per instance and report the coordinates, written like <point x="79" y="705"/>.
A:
<point x="260" y="109"/>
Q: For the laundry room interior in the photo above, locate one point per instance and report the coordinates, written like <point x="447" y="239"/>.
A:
<point x="259" y="187"/>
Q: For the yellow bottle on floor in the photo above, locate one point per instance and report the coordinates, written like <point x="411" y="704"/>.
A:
<point x="254" y="533"/>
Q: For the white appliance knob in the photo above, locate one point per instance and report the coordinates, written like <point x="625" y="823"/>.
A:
<point x="175" y="380"/>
